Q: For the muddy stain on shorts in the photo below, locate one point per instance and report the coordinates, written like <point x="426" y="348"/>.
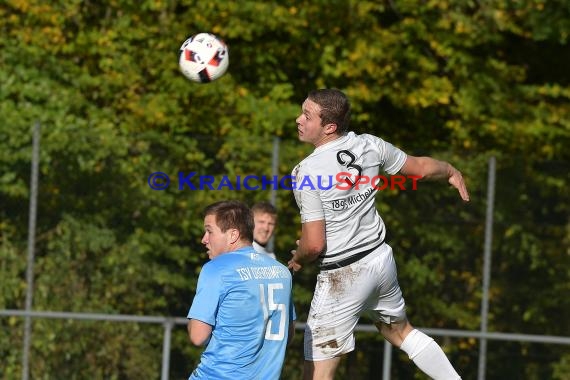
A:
<point x="328" y="344"/>
<point x="341" y="278"/>
<point x="322" y="333"/>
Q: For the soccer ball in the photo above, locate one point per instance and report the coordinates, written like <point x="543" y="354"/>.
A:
<point x="203" y="58"/>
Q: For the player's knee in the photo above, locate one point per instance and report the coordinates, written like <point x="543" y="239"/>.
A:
<point x="320" y="370"/>
<point x="395" y="332"/>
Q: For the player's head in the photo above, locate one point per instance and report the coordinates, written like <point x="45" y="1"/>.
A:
<point x="335" y="108"/>
<point x="228" y="226"/>
<point x="325" y="116"/>
<point x="265" y="219"/>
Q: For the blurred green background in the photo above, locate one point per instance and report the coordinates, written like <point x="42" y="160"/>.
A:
<point x="457" y="80"/>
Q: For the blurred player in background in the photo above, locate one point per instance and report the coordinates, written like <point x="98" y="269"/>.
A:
<point x="243" y="308"/>
<point x="343" y="230"/>
<point x="265" y="219"/>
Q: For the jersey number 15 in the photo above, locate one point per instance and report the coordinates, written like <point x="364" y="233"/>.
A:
<point x="268" y="305"/>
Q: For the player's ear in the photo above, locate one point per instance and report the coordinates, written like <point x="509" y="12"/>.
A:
<point x="331" y="128"/>
<point x="234" y="235"/>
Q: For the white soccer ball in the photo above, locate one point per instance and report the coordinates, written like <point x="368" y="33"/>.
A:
<point x="203" y="58"/>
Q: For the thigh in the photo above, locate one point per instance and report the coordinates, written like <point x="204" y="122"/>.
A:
<point x="386" y="304"/>
<point x="340" y="298"/>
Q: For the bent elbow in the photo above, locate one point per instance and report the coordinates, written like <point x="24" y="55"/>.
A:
<point x="316" y="250"/>
<point x="199" y="340"/>
<point x="196" y="341"/>
<point x="198" y="337"/>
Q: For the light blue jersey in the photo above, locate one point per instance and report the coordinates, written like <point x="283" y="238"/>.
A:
<point x="246" y="298"/>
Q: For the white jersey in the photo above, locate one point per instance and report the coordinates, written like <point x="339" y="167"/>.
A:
<point x="261" y="249"/>
<point x="325" y="189"/>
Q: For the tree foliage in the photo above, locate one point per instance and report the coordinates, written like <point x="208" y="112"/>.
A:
<point x="457" y="80"/>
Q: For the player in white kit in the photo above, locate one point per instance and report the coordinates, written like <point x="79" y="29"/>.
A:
<point x="341" y="228"/>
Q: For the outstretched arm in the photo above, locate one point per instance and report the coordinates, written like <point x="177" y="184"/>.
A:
<point x="432" y="169"/>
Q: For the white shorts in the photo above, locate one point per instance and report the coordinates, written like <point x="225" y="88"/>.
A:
<point x="342" y="295"/>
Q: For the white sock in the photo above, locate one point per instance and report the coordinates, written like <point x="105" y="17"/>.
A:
<point x="428" y="356"/>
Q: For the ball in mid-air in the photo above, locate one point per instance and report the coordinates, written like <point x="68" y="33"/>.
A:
<point x="203" y="58"/>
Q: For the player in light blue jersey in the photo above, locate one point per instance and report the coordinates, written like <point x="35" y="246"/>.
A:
<point x="243" y="308"/>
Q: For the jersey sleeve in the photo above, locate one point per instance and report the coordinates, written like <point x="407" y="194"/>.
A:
<point x="392" y="158"/>
<point x="208" y="295"/>
<point x="307" y="196"/>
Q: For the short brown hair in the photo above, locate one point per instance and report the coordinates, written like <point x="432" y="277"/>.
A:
<point x="232" y="214"/>
<point x="265" y="208"/>
<point x="335" y="107"/>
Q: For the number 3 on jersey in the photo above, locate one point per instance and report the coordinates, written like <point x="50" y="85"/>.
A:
<point x="268" y="305"/>
<point x="341" y="157"/>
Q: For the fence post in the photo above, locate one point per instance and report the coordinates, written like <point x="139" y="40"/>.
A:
<point x="31" y="248"/>
<point x="386" y="368"/>
<point x="168" y="324"/>
<point x="487" y="267"/>
<point x="274" y="174"/>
